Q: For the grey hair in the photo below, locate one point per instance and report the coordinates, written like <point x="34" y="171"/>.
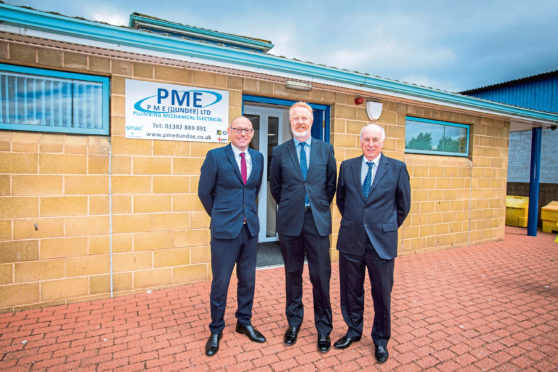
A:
<point x="301" y="105"/>
<point x="375" y="126"/>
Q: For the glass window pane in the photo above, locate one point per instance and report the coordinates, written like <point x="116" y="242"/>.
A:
<point x="453" y="140"/>
<point x="272" y="140"/>
<point x="255" y="120"/>
<point x="35" y="102"/>
<point x="435" y="137"/>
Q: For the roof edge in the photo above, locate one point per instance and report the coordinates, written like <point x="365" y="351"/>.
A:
<point x="214" y="36"/>
<point x="85" y="29"/>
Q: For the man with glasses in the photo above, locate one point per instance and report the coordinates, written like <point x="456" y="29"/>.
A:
<point x="230" y="180"/>
<point x="302" y="180"/>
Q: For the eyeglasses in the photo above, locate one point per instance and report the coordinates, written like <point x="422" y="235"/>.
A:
<point x="242" y="130"/>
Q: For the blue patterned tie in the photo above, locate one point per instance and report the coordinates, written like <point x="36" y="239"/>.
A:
<point x="303" y="167"/>
<point x="368" y="180"/>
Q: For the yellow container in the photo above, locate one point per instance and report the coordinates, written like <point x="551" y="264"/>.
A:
<point x="517" y="210"/>
<point x="550" y="211"/>
<point x="549" y="226"/>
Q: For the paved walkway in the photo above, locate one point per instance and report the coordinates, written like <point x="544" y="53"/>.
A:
<point x="487" y="307"/>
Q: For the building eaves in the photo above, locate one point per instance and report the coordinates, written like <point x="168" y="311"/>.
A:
<point x="125" y="37"/>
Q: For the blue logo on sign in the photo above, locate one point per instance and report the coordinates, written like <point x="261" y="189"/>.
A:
<point x="165" y="100"/>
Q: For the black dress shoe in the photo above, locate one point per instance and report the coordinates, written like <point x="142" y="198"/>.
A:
<point x="381" y="354"/>
<point x="212" y="344"/>
<point x="251" y="332"/>
<point x="324" y="343"/>
<point x="290" y="336"/>
<point x="345" y="341"/>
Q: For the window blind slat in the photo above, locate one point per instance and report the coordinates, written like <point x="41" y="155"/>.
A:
<point x="52" y="100"/>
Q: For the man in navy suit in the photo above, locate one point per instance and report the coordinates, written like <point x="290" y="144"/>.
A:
<point x="302" y="179"/>
<point x="230" y="180"/>
<point x="374" y="198"/>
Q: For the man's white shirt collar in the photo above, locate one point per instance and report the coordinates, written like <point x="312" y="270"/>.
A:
<point x="375" y="161"/>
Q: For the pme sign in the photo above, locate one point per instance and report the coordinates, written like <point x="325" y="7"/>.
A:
<point x="175" y="112"/>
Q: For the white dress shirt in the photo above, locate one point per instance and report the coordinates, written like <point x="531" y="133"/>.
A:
<point x="306" y="149"/>
<point x="238" y="159"/>
<point x="364" y="169"/>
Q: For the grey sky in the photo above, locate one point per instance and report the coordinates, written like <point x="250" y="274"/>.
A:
<point x="449" y="45"/>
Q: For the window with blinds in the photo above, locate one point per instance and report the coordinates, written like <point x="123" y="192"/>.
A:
<point x="53" y="101"/>
<point x="436" y="137"/>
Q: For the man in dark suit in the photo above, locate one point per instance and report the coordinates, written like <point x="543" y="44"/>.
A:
<point x="374" y="198"/>
<point x="302" y="179"/>
<point x="230" y="179"/>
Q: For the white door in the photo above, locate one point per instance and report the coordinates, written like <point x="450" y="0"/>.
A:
<point x="271" y="128"/>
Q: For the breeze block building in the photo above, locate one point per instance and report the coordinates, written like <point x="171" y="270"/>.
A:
<point x="103" y="130"/>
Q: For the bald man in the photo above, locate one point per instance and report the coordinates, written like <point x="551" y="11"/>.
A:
<point x="230" y="180"/>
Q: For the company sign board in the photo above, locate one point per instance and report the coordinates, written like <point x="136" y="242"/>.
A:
<point x="175" y="112"/>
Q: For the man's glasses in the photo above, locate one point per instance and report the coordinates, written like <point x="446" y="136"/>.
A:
<point x="242" y="130"/>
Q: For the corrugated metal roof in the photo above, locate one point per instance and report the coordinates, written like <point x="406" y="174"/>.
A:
<point x="510" y="82"/>
<point x="538" y="92"/>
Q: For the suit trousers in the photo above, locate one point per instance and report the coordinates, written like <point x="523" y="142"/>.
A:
<point x="352" y="273"/>
<point x="224" y="254"/>
<point x="316" y="249"/>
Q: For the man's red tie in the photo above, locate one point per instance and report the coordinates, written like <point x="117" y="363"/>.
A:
<point x="243" y="169"/>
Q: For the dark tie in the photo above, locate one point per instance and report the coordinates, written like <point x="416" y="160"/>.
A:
<point x="367" y="180"/>
<point x="243" y="169"/>
<point x="303" y="167"/>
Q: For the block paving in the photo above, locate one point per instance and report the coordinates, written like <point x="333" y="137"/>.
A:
<point x="489" y="307"/>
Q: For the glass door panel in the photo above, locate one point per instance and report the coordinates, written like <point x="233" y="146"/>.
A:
<point x="268" y="126"/>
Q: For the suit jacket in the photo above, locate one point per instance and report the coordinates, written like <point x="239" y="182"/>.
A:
<point x="288" y="186"/>
<point x="225" y="197"/>
<point x="378" y="217"/>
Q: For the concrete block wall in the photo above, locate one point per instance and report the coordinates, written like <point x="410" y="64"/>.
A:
<point x="54" y="197"/>
<point x="54" y="188"/>
<point x="160" y="232"/>
<point x="519" y="165"/>
<point x="54" y="218"/>
<point x="160" y="229"/>
<point x="459" y="201"/>
<point x="455" y="201"/>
